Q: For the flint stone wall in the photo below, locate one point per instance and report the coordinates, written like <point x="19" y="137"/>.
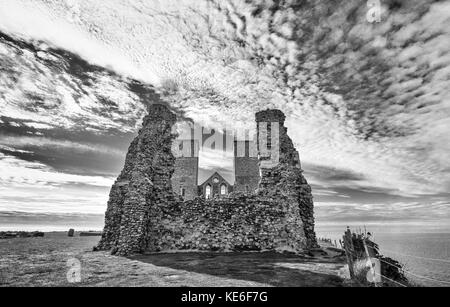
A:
<point x="143" y="186"/>
<point x="286" y="178"/>
<point x="237" y="223"/>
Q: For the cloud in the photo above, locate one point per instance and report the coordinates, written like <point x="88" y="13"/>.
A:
<point x="35" y="187"/>
<point x="348" y="212"/>
<point x="17" y="220"/>
<point x="56" y="144"/>
<point x="16" y="172"/>
<point x="368" y="103"/>
<point x="211" y="160"/>
<point x="41" y="25"/>
<point x="49" y="199"/>
<point x="62" y="91"/>
<point x="39" y="126"/>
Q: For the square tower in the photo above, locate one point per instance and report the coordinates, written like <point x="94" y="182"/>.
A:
<point x="246" y="167"/>
<point x="185" y="176"/>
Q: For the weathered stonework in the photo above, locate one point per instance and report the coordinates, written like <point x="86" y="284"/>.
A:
<point x="145" y="215"/>
<point x="246" y="167"/>
<point x="286" y="178"/>
<point x="232" y="224"/>
<point x="185" y="176"/>
<point x="143" y="186"/>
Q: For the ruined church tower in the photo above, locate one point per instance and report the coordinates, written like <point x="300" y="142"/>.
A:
<point x="246" y="167"/>
<point x="185" y="177"/>
<point x="143" y="186"/>
<point x="281" y="171"/>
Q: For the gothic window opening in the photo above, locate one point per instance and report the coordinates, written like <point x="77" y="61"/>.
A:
<point x="208" y="191"/>
<point x="223" y="189"/>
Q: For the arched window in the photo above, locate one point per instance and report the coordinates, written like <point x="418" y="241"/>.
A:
<point x="223" y="189"/>
<point x="208" y="191"/>
<point x="183" y="192"/>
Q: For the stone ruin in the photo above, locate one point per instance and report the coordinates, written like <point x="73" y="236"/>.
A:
<point x="145" y="215"/>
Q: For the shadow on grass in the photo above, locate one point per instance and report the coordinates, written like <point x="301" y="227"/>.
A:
<point x="280" y="270"/>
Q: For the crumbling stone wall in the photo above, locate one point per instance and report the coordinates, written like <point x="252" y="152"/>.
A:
<point x="286" y="177"/>
<point x="237" y="223"/>
<point x="143" y="186"/>
<point x="144" y="213"/>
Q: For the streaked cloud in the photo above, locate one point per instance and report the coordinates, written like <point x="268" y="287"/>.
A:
<point x="24" y="173"/>
<point x="426" y="212"/>
<point x="13" y="220"/>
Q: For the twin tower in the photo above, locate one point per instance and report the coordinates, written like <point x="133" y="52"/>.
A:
<point x="185" y="178"/>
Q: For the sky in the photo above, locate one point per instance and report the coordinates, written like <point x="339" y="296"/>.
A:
<point x="367" y="103"/>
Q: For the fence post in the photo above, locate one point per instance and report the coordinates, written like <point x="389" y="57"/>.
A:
<point x="348" y="246"/>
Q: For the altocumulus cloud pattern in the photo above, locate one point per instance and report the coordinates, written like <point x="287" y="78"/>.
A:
<point x="367" y="103"/>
